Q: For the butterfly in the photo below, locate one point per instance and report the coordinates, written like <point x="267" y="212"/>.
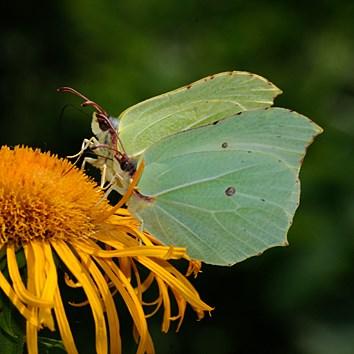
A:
<point x="218" y="166"/>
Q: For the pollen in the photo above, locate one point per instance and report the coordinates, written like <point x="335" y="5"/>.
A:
<point x="44" y="197"/>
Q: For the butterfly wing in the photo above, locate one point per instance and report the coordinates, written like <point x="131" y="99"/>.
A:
<point x="202" y="102"/>
<point x="226" y="191"/>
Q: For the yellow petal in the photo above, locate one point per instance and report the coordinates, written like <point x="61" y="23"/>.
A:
<point x="112" y="316"/>
<point x="63" y="324"/>
<point x="132" y="302"/>
<point x="20" y="289"/>
<point x="166" y="303"/>
<point x="11" y="294"/>
<point x="37" y="280"/>
<point x="145" y="285"/>
<point x="148" y="251"/>
<point x="32" y="334"/>
<point x="182" y="304"/>
<point x="32" y="331"/>
<point x="80" y="272"/>
<point x="176" y="280"/>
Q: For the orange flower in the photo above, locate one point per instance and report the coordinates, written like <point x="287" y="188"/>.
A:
<point x="51" y="212"/>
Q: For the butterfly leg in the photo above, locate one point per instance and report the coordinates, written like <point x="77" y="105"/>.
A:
<point x="87" y="143"/>
<point x="103" y="175"/>
<point x="141" y="226"/>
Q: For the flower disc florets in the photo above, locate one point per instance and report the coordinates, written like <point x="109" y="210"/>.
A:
<point x="44" y="197"/>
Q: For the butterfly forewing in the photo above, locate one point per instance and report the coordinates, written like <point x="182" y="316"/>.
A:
<point x="202" y="102"/>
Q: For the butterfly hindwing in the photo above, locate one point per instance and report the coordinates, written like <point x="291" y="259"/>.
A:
<point x="226" y="191"/>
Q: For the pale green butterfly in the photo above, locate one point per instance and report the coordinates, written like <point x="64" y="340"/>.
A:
<point x="220" y="170"/>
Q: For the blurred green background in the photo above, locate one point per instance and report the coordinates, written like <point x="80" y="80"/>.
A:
<point x="295" y="300"/>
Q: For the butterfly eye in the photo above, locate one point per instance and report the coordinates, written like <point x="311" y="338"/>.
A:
<point x="103" y="122"/>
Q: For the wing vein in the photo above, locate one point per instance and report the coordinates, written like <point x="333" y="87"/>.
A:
<point x="199" y="239"/>
<point x="202" y="180"/>
<point x="186" y="107"/>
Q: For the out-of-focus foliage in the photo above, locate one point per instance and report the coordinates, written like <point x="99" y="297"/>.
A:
<point x="297" y="300"/>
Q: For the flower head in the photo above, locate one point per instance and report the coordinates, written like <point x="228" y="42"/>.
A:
<point x="54" y="214"/>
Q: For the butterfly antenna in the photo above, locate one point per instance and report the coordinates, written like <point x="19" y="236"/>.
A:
<point x="87" y="101"/>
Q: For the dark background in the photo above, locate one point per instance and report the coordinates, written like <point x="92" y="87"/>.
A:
<point x="295" y="300"/>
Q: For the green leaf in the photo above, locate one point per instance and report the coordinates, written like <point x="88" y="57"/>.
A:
<point x="10" y="345"/>
<point x="12" y="336"/>
<point x="50" y="345"/>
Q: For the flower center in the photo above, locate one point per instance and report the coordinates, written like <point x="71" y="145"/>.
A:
<point x="42" y="196"/>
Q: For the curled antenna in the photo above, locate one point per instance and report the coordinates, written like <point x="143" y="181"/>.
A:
<point x="87" y="101"/>
<point x="102" y="116"/>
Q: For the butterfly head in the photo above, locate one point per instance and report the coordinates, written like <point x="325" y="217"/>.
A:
<point x="109" y="127"/>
